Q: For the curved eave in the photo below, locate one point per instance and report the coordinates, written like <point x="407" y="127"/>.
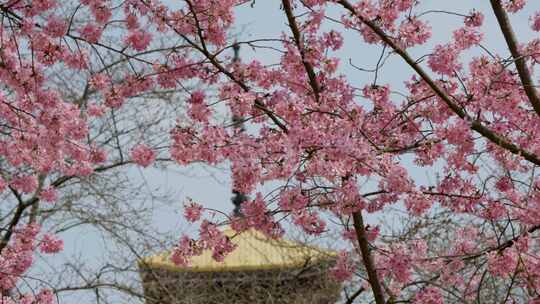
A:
<point x="254" y="252"/>
<point x="175" y="268"/>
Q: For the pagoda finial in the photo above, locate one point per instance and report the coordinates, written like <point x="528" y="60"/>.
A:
<point x="236" y="49"/>
<point x="239" y="198"/>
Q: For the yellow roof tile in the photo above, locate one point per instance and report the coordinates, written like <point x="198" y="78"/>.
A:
<point x="254" y="251"/>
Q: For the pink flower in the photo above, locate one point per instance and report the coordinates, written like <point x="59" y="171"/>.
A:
<point x="371" y="233"/>
<point x="100" y="81"/>
<point x="56" y="27"/>
<point x="378" y="94"/>
<point x="113" y="99"/>
<point x="222" y="247"/>
<point x="444" y="60"/>
<point x="502" y="263"/>
<point x="417" y="203"/>
<point x="535" y="21"/>
<point x="514" y="6"/>
<point x="403" y="5"/>
<point x="45" y="296"/>
<point x="197" y="97"/>
<point x="25" y="183"/>
<point x="429" y="295"/>
<point x="333" y="40"/>
<point x="51" y="244"/>
<point x="532" y="51"/>
<point x="474" y="19"/>
<point x="91" y="32"/>
<point x="138" y="39"/>
<point x="143" y="155"/>
<point x="344" y="268"/>
<point x="179" y="258"/>
<point x="504" y="184"/>
<point x="466" y="37"/>
<point x="98" y="155"/>
<point x="494" y="210"/>
<point x="198" y="110"/>
<point x="293" y="200"/>
<point x="413" y="31"/>
<point x="132" y="22"/>
<point x="76" y="60"/>
<point x="310" y="222"/>
<point x="185" y="249"/>
<point x="39" y="7"/>
<point x="193" y="211"/>
<point x="49" y="195"/>
<point x="256" y="215"/>
<point x="101" y="12"/>
<point x="3" y="185"/>
<point x="399" y="264"/>
<point x="95" y="110"/>
<point x="219" y="243"/>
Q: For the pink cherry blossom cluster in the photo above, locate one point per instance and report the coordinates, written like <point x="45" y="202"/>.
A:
<point x="17" y="258"/>
<point x="210" y="238"/>
<point x="143" y="155"/>
<point x="51" y="244"/>
<point x="344" y="268"/>
<point x="193" y="211"/>
<point x="44" y="296"/>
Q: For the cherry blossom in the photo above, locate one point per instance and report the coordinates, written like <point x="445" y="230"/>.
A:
<point x="49" y="195"/>
<point x="143" y="155"/>
<point x="474" y="19"/>
<point x="3" y="184"/>
<point x="466" y="37"/>
<point x="91" y="33"/>
<point x="429" y="295"/>
<point x="138" y="39"/>
<point x="56" y="27"/>
<point x="25" y="183"/>
<point x="514" y="5"/>
<point x="96" y="110"/>
<point x="444" y="60"/>
<point x="414" y="31"/>
<point x="51" y="244"/>
<point x="536" y="22"/>
<point x="344" y="268"/>
<point x="193" y="211"/>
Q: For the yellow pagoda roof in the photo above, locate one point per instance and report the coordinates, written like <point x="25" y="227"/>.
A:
<point x="254" y="251"/>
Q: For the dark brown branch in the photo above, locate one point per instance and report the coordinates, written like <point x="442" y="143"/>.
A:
<point x="504" y="245"/>
<point x="519" y="60"/>
<point x="258" y="103"/>
<point x="350" y="299"/>
<point x="299" y="45"/>
<point x="367" y="259"/>
<point x="21" y="206"/>
<point x="474" y="124"/>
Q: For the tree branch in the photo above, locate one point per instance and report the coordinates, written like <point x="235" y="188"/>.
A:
<point x="367" y="259"/>
<point x="21" y="206"/>
<point x="474" y="124"/>
<point x="298" y="41"/>
<point x="350" y="299"/>
<point x="521" y="66"/>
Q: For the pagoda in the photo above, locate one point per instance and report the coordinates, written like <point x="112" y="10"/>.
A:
<point x="260" y="270"/>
